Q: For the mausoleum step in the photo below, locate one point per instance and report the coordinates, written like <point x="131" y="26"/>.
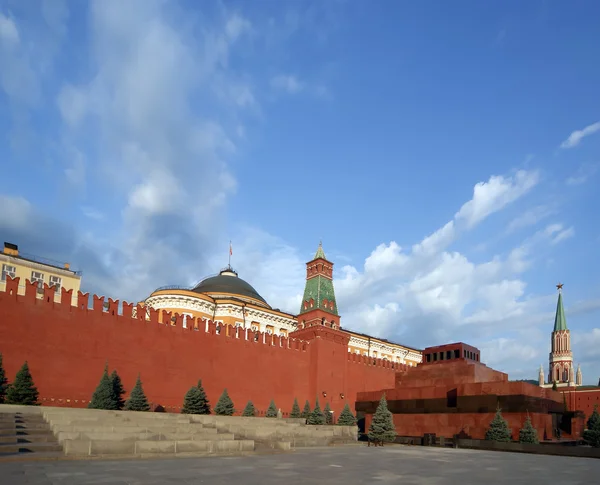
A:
<point x="149" y="447"/>
<point x="144" y="436"/>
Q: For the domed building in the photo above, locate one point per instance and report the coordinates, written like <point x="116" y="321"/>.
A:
<point x="229" y="300"/>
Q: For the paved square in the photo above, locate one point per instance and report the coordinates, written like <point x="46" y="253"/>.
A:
<point x="331" y="466"/>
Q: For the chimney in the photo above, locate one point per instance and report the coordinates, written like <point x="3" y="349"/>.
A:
<point x="11" y="249"/>
<point x="67" y="265"/>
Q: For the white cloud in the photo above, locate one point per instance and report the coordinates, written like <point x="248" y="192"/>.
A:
<point x="530" y="217"/>
<point x="583" y="174"/>
<point x="495" y="194"/>
<point x="575" y="138"/>
<point x="9" y="35"/>
<point x="72" y="104"/>
<point x="288" y="83"/>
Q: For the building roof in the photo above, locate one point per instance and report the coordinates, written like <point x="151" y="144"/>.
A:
<point x="320" y="253"/>
<point x="364" y="335"/>
<point x="560" y="322"/>
<point x="228" y="282"/>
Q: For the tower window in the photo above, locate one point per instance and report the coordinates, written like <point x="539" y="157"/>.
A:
<point x="8" y="270"/>
<point x="56" y="282"/>
<point x="38" y="278"/>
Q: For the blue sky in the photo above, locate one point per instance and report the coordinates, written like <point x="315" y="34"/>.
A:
<point x="447" y="154"/>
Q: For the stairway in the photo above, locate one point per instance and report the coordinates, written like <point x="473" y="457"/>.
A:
<point x="27" y="436"/>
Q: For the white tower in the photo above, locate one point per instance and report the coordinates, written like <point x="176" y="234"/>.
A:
<point x="579" y="377"/>
<point x="561" y="370"/>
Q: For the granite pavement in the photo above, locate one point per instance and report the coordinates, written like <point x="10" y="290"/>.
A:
<point x="325" y="466"/>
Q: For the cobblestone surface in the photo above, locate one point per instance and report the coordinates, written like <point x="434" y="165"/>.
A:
<point x="331" y="466"/>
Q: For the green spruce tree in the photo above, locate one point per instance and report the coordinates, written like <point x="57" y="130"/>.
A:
<point x="271" y="410"/>
<point x="328" y="414"/>
<point x="192" y="402"/>
<point x="316" y="417"/>
<point x="204" y="404"/>
<point x="592" y="433"/>
<point x="249" y="410"/>
<point x="346" y="417"/>
<point x="22" y="390"/>
<point x="528" y="434"/>
<point x="104" y="396"/>
<point x="137" y="399"/>
<point x="306" y="411"/>
<point x="498" y="430"/>
<point x="3" y="382"/>
<point x="225" y="406"/>
<point x="554" y="386"/>
<point x="118" y="389"/>
<point x="382" y="425"/>
<point x="295" y="410"/>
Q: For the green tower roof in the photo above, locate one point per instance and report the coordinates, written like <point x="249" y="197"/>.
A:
<point x="320" y="289"/>
<point x="560" y="322"/>
<point x="320" y="253"/>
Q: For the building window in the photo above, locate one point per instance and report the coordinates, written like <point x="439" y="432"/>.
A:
<point x="56" y="281"/>
<point x="38" y="278"/>
<point x="8" y="270"/>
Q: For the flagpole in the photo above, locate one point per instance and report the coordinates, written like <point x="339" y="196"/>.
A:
<point x="230" y="254"/>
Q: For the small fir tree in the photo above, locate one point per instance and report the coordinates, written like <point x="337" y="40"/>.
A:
<point x="249" y="410"/>
<point x="346" y="417"/>
<point x="382" y="425"/>
<point x="137" y="400"/>
<point x="22" y="390"/>
<point x="3" y="382"/>
<point x="316" y="417"/>
<point x="554" y="386"/>
<point x="225" y="406"/>
<point x="306" y="411"/>
<point x="272" y="410"/>
<point x="528" y="434"/>
<point x="295" y="410"/>
<point x="192" y="402"/>
<point x="204" y="404"/>
<point x="498" y="430"/>
<point x="118" y="389"/>
<point x="594" y="420"/>
<point x="328" y="414"/>
<point x="104" y="396"/>
<point x="592" y="433"/>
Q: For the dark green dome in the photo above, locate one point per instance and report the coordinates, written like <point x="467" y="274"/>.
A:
<point x="227" y="282"/>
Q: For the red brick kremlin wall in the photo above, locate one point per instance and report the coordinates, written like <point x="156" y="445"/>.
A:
<point x="67" y="347"/>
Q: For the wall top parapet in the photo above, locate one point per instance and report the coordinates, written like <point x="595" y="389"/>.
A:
<point x="122" y="310"/>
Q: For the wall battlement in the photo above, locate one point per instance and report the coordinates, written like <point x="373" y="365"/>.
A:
<point x="67" y="342"/>
<point x="376" y="362"/>
<point x="122" y="313"/>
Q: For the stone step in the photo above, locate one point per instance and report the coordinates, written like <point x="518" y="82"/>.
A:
<point x="6" y="448"/>
<point x="27" y="438"/>
<point x="22" y="427"/>
<point x="148" y="447"/>
<point x="37" y="456"/>
<point x="134" y="429"/>
<point x="135" y="436"/>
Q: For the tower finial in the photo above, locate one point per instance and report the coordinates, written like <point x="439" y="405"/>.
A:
<point x="559" y="287"/>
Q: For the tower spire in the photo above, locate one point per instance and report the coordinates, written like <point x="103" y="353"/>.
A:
<point x="560" y="322"/>
<point x="319" y="303"/>
<point x="320" y="254"/>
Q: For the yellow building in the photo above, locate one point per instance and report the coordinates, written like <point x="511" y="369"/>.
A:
<point x="226" y="299"/>
<point x="229" y="300"/>
<point x="38" y="270"/>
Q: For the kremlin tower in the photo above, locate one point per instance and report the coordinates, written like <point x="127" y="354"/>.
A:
<point x="561" y="368"/>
